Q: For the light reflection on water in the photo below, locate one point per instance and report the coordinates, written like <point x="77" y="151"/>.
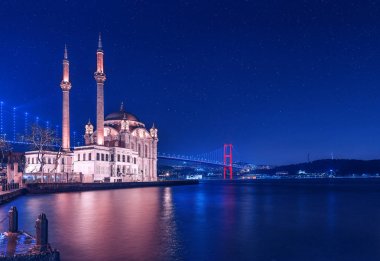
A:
<point x="211" y="221"/>
<point x="104" y="224"/>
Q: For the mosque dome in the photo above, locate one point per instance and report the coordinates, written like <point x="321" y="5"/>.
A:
<point x="120" y="115"/>
<point x="115" y="116"/>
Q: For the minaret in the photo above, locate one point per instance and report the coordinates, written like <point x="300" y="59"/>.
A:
<point x="100" y="78"/>
<point x="153" y="161"/>
<point x="66" y="86"/>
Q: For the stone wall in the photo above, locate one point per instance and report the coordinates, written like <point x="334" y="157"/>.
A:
<point x="11" y="195"/>
<point x="47" y="256"/>
<point x="38" y="188"/>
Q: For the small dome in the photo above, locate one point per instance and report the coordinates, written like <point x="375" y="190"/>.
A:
<point x="89" y="123"/>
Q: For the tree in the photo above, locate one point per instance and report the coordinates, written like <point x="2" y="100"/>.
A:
<point x="44" y="140"/>
<point x="5" y="149"/>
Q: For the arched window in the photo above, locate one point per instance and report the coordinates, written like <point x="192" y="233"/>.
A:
<point x="146" y="151"/>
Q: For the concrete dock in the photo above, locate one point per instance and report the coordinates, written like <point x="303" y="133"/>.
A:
<point x="6" y="196"/>
<point x="40" y="188"/>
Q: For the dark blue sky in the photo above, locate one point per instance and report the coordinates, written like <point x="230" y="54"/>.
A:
<point x="278" y="79"/>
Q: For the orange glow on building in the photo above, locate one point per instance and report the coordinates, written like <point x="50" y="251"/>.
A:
<point x="65" y="86"/>
<point x="99" y="58"/>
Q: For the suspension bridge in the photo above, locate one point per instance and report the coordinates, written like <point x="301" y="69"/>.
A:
<point x="220" y="157"/>
<point x="15" y="124"/>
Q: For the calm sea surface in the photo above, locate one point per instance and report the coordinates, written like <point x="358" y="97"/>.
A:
<point x="212" y="221"/>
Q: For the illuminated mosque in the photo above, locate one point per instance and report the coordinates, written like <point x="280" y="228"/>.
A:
<point x="121" y="149"/>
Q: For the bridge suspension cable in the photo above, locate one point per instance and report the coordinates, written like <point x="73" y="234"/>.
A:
<point x="16" y="123"/>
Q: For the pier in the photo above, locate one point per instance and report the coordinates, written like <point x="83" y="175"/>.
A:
<point x="21" y="246"/>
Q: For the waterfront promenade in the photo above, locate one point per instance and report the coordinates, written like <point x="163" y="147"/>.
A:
<point x="38" y="188"/>
<point x="44" y="188"/>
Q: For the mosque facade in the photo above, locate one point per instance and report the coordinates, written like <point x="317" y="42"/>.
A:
<point x="121" y="149"/>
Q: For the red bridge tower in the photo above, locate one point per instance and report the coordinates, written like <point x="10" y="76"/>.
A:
<point x="227" y="158"/>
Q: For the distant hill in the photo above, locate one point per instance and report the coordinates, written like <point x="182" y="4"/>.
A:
<point x="341" y="167"/>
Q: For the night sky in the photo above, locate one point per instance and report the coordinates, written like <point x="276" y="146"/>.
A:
<point x="278" y="79"/>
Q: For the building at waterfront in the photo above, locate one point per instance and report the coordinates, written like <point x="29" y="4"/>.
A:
<point x="121" y="149"/>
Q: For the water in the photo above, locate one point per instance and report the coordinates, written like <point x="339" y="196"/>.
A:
<point x="212" y="221"/>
